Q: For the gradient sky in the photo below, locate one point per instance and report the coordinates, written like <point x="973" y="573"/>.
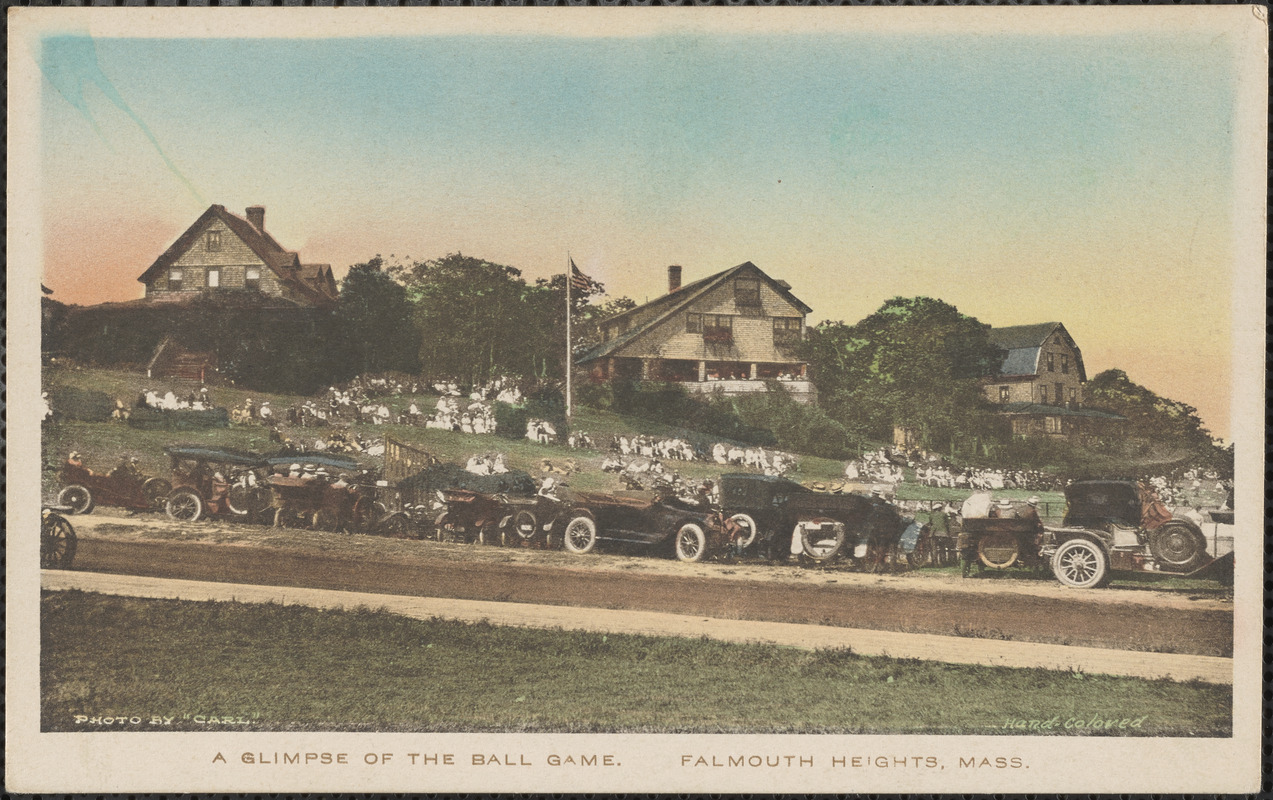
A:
<point x="1082" y="178"/>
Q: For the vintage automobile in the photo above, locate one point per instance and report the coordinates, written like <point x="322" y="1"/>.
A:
<point x="1116" y="525"/>
<point x="82" y="489"/>
<point x="215" y="481"/>
<point x="758" y="505"/>
<point x="688" y="529"/>
<point x="57" y="538"/>
<point x="320" y="503"/>
<point x="999" y="543"/>
<point x="471" y="516"/>
<point x="785" y="516"/>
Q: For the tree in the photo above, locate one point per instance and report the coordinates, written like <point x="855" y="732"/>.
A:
<point x="1169" y="428"/>
<point x="916" y="363"/>
<point x="375" y="317"/>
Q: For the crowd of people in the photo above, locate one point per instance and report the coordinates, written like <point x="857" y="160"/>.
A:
<point x="487" y="464"/>
<point x="169" y="401"/>
<point x="945" y="477"/>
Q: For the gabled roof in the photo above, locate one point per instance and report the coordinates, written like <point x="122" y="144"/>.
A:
<point x="1023" y="343"/>
<point x="673" y="302"/>
<point x="316" y="284"/>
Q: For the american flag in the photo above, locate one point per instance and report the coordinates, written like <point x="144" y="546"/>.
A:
<point x="578" y="280"/>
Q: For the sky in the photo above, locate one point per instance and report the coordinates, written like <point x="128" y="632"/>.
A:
<point x="1086" y="178"/>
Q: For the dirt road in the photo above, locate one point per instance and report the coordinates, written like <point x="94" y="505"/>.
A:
<point x="331" y="561"/>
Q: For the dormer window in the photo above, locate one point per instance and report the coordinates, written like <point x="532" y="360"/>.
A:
<point x="174" y="280"/>
<point x="214" y="240"/>
<point x="747" y="292"/>
<point x="693" y="323"/>
<point x="252" y="278"/>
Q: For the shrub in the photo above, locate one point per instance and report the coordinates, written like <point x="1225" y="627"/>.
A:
<point x="85" y="405"/>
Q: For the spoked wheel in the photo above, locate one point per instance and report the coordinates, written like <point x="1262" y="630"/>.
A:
<point x="397" y="526"/>
<point x="184" y="505"/>
<point x="362" y="515"/>
<point x="247" y="500"/>
<point x="57" y="542"/>
<point x="156" y="491"/>
<point x="1081" y="564"/>
<point x="748" y="532"/>
<point x="580" y="535"/>
<point x="76" y="498"/>
<point x="691" y="543"/>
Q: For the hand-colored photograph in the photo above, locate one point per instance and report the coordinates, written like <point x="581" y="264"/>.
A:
<point x="747" y="387"/>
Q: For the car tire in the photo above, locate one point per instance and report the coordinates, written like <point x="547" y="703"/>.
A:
<point x="580" y="535"/>
<point x="76" y="498"/>
<point x="156" y="491"/>
<point x="57" y="542"/>
<point x="1081" y="564"/>
<point x="525" y="525"/>
<point x="691" y="543"/>
<point x="821" y="548"/>
<point x="748" y="524"/>
<point x="184" y="505"/>
<point x="396" y="526"/>
<point x="1178" y="547"/>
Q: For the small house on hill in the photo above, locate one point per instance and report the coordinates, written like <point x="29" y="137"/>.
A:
<point x="1039" y="387"/>
<point x="729" y="333"/>
<point x="223" y="252"/>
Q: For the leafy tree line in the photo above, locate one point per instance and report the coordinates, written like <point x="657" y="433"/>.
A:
<point x="919" y="363"/>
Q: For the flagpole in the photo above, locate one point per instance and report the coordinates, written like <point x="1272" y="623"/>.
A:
<point x="570" y="278"/>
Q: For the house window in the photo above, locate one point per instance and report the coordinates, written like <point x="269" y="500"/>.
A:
<point x="718" y="329"/>
<point x="252" y="278"/>
<point x="1004" y="394"/>
<point x="174" y="280"/>
<point x="786" y="330"/>
<point x="1074" y="396"/>
<point x="1065" y="364"/>
<point x="747" y="292"/>
<point x="1052" y="424"/>
<point x="1043" y="394"/>
<point x="214" y="278"/>
<point x="1020" y="426"/>
<point x="214" y="240"/>
<point x="693" y="323"/>
<point x="1060" y="393"/>
<point x="1051" y="363"/>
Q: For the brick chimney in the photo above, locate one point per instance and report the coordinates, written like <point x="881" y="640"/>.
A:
<point x="256" y="216"/>
<point x="673" y="278"/>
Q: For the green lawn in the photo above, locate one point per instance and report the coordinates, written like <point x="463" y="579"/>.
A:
<point x="293" y="668"/>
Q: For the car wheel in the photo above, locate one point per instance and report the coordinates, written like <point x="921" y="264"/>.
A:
<point x="1081" y="564"/>
<point x="747" y="536"/>
<point x="156" y="491"/>
<point x="525" y="525"/>
<point x="325" y="520"/>
<point x="1178" y="547"/>
<point x="184" y="505"/>
<point x="76" y="498"/>
<point x="580" y="535"/>
<point x="57" y="542"/>
<point x="691" y="543"/>
<point x="818" y="543"/>
<point x="396" y="526"/>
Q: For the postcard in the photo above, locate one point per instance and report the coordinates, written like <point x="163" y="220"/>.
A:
<point x="778" y="400"/>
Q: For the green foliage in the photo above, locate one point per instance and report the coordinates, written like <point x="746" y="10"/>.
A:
<point x="797" y="427"/>
<point x="670" y="404"/>
<point x="1160" y="430"/>
<point x="85" y="405"/>
<point x="378" y="333"/>
<point x="916" y="362"/>
<point x="295" y="668"/>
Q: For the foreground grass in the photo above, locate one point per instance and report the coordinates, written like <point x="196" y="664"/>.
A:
<point x="291" y="668"/>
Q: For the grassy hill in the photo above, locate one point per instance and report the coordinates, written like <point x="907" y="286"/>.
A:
<point x="103" y="443"/>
